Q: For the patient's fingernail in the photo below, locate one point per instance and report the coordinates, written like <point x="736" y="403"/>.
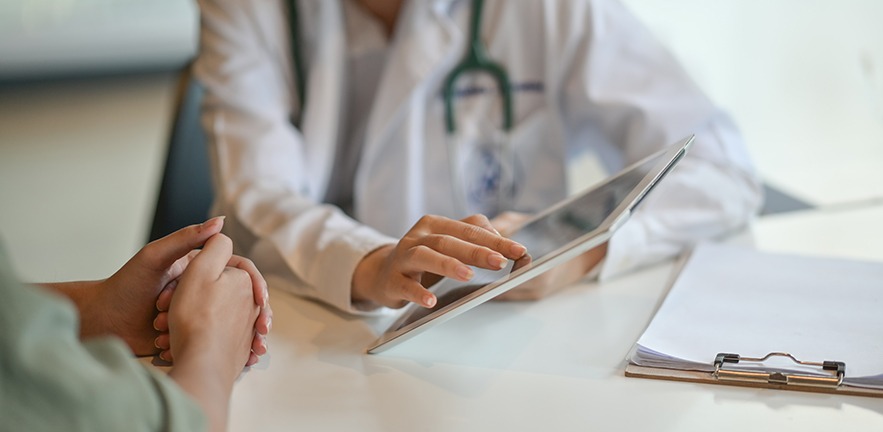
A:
<point x="155" y="325"/>
<point x="429" y="301"/>
<point x="213" y="221"/>
<point x="497" y="261"/>
<point x="156" y="344"/>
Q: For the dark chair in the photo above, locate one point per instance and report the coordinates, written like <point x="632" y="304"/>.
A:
<point x="185" y="194"/>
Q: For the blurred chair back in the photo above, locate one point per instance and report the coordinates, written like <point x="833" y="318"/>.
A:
<point x="185" y="195"/>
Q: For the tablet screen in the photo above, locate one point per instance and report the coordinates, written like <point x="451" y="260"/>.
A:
<point x="584" y="214"/>
<point x="548" y="233"/>
<point x="552" y="237"/>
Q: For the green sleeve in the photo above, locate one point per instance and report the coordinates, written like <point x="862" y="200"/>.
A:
<point x="51" y="381"/>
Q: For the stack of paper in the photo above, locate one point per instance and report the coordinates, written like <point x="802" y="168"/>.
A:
<point x="729" y="299"/>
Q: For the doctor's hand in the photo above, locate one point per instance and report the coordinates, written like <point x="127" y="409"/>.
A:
<point x="553" y="280"/>
<point x="434" y="247"/>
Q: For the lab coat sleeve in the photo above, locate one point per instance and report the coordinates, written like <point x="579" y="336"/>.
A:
<point x="259" y="158"/>
<point x="622" y="82"/>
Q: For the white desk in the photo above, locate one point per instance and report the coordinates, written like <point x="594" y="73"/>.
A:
<point x="555" y="364"/>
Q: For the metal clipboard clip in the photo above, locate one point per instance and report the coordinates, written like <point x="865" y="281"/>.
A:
<point x="836" y="369"/>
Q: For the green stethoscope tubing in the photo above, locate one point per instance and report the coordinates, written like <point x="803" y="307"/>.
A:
<point x="476" y="60"/>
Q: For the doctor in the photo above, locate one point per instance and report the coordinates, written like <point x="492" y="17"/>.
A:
<point x="332" y="139"/>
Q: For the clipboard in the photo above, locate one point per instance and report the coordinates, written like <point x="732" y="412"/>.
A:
<point x="724" y="297"/>
<point x="768" y="379"/>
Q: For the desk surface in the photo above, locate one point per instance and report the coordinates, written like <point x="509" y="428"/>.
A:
<point x="555" y="364"/>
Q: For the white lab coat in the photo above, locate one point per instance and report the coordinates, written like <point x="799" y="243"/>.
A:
<point x="588" y="77"/>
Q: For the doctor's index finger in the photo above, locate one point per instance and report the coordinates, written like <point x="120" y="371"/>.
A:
<point x="482" y="236"/>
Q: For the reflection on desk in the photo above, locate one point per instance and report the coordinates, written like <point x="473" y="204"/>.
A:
<point x="555" y="364"/>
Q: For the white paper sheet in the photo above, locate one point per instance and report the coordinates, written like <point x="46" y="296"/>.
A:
<point x="739" y="300"/>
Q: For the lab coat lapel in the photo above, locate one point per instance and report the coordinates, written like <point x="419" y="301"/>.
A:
<point x="427" y="44"/>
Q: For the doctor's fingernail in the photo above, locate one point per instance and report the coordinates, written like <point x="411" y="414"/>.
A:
<point x="464" y="273"/>
<point x="155" y="325"/>
<point x="497" y="261"/>
<point x="517" y="250"/>
<point x="429" y="301"/>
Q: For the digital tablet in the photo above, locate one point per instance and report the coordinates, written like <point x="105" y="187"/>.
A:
<point x="552" y="237"/>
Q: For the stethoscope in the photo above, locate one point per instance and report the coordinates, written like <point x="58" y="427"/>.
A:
<point x="475" y="60"/>
<point x="489" y="186"/>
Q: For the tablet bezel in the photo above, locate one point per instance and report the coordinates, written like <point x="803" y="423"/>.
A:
<point x="393" y="335"/>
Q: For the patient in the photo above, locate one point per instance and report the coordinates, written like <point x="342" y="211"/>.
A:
<point x="215" y="323"/>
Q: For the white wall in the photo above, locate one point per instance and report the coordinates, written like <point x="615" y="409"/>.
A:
<point x="803" y="78"/>
<point x="57" y="37"/>
<point x="80" y="159"/>
<point x="79" y="171"/>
